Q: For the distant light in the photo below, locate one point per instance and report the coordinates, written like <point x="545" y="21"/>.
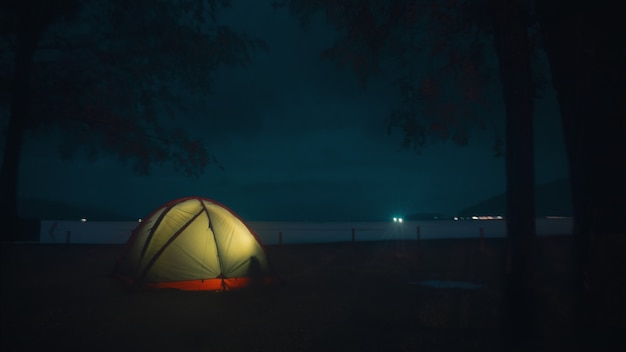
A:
<point x="486" y="217"/>
<point x="395" y="219"/>
<point x="399" y="219"/>
<point x="139" y="220"/>
<point x="83" y="220"/>
<point x="456" y="218"/>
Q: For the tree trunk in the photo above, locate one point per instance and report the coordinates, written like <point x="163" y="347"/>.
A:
<point x="587" y="63"/>
<point x="27" y="40"/>
<point x="513" y="50"/>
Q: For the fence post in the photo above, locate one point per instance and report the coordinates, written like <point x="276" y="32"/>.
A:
<point x="482" y="239"/>
<point x="418" y="234"/>
<point x="280" y="238"/>
<point x="353" y="235"/>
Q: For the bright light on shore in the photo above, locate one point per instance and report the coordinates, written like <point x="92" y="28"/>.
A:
<point x="487" y="217"/>
<point x="83" y="220"/>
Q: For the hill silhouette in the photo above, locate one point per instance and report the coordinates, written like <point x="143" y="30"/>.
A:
<point x="551" y="199"/>
<point x="30" y="208"/>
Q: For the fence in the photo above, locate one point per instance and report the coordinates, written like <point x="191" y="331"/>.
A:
<point x="275" y="233"/>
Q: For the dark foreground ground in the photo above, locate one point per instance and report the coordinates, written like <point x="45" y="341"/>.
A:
<point x="339" y="297"/>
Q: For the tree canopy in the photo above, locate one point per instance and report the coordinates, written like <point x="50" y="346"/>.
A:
<point x="115" y="76"/>
<point x="440" y="53"/>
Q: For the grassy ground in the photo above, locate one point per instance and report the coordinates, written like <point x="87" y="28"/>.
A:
<point x="334" y="297"/>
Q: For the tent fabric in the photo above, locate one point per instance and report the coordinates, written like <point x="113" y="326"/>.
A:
<point x="194" y="243"/>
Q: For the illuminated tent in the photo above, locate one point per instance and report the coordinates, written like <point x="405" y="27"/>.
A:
<point x="194" y="244"/>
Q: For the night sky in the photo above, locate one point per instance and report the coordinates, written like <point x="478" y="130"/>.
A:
<point x="298" y="139"/>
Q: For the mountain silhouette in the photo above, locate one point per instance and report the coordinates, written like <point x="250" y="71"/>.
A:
<point x="551" y="199"/>
<point x="31" y="208"/>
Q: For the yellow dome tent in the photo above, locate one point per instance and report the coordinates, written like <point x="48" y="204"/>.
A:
<point x="194" y="243"/>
